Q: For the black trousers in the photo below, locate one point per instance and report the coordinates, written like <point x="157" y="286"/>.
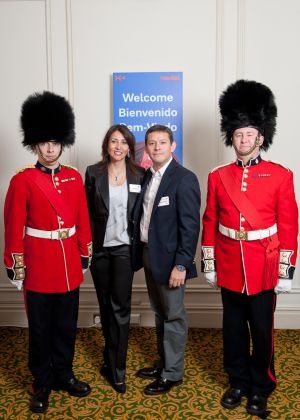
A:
<point x="112" y="275"/>
<point x="245" y="316"/>
<point x="52" y="321"/>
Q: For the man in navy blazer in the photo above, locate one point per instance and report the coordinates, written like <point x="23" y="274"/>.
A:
<point x="166" y="222"/>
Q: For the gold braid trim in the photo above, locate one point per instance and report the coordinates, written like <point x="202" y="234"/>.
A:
<point x="24" y="168"/>
<point x="69" y="166"/>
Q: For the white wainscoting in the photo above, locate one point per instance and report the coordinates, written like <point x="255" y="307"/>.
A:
<point x="204" y="308"/>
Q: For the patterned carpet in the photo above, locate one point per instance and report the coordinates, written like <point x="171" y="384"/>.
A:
<point x="197" y="398"/>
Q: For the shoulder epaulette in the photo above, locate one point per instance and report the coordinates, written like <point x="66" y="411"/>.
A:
<point x="280" y="164"/>
<point x="24" y="168"/>
<point x="68" y="166"/>
<point x="220" y="166"/>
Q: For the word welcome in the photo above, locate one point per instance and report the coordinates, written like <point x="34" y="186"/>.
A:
<point x="141" y="97"/>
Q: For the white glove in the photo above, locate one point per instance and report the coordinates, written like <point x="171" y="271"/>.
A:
<point x="283" y="286"/>
<point x="211" y="279"/>
<point x="17" y="283"/>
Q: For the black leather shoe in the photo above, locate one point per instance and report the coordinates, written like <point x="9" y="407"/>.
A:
<point x="160" y="386"/>
<point x="149" y="373"/>
<point x="39" y="402"/>
<point x="119" y="387"/>
<point x="257" y="405"/>
<point x="232" y="398"/>
<point x="74" y="387"/>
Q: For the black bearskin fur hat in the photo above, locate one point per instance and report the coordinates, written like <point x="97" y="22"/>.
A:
<point x="247" y="103"/>
<point x="46" y="116"/>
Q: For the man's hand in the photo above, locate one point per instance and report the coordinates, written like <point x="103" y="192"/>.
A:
<point x="283" y="286"/>
<point x="211" y="279"/>
<point x="17" y="283"/>
<point x="177" y="278"/>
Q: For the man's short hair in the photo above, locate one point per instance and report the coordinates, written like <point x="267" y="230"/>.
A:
<point x="159" y="127"/>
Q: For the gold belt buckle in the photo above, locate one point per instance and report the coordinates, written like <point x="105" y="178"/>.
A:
<point x="63" y="233"/>
<point x="241" y="235"/>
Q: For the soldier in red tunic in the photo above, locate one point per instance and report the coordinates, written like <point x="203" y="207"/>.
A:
<point x="249" y="242"/>
<point x="48" y="245"/>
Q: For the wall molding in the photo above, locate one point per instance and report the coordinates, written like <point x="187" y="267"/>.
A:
<point x="219" y="73"/>
<point x="48" y="27"/>
<point x="241" y="35"/>
<point x="203" y="305"/>
<point x="73" y="153"/>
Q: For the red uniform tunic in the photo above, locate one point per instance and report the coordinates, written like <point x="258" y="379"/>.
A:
<point x="240" y="264"/>
<point x="51" y="266"/>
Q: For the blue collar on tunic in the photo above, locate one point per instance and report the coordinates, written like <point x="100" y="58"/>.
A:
<point x="46" y="170"/>
<point x="251" y="162"/>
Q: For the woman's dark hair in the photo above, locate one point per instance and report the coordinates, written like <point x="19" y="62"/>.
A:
<point x="130" y="139"/>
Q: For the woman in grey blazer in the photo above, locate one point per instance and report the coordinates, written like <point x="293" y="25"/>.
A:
<point x="112" y="187"/>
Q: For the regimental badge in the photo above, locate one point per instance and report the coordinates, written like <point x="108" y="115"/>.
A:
<point x="260" y="175"/>
<point x="68" y="179"/>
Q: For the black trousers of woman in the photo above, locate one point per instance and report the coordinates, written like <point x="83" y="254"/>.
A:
<point x="112" y="275"/>
<point x="244" y="317"/>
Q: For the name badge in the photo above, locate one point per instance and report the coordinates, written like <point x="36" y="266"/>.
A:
<point x="164" y="201"/>
<point x="136" y="188"/>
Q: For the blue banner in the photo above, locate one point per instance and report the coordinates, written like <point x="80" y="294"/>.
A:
<point x="144" y="99"/>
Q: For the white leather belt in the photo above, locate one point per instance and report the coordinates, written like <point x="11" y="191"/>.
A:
<point x="250" y="235"/>
<point x="51" y="234"/>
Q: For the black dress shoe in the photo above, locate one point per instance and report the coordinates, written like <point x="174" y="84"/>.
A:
<point x="119" y="387"/>
<point x="149" y="373"/>
<point x="257" y="405"/>
<point x="39" y="402"/>
<point x="74" y="387"/>
<point x="160" y="386"/>
<point x="232" y="398"/>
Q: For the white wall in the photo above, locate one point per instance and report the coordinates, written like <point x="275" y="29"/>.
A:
<point x="73" y="46"/>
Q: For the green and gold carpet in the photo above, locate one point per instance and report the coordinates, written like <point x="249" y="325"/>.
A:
<point x="198" y="397"/>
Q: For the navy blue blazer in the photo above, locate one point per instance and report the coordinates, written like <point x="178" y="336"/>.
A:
<point x="174" y="228"/>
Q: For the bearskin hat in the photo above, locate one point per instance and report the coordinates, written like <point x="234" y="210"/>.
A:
<point x="46" y="116"/>
<point x="247" y="103"/>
